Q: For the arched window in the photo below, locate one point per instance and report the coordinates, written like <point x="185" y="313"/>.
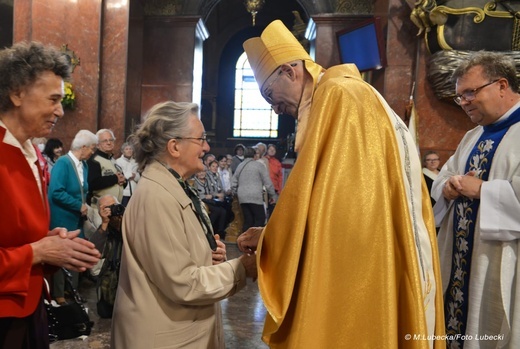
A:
<point x="253" y="115"/>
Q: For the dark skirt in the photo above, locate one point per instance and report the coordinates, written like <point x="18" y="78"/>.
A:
<point x="30" y="332"/>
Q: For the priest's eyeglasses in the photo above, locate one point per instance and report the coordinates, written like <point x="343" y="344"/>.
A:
<point x="470" y="95"/>
<point x="202" y="139"/>
<point x="267" y="92"/>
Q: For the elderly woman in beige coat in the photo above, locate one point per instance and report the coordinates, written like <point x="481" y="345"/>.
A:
<point x="174" y="270"/>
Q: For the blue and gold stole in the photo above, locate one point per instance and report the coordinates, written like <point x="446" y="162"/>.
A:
<point x="464" y="220"/>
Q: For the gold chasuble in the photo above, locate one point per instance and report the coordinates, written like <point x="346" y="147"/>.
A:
<point x="340" y="263"/>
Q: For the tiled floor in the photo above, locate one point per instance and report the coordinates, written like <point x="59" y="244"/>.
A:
<point x="243" y="318"/>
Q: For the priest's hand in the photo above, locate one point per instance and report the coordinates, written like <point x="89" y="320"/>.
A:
<point x="248" y="241"/>
<point x="470" y="185"/>
<point x="452" y="187"/>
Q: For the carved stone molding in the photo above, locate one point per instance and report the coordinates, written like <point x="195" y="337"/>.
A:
<point x="442" y="64"/>
<point x="203" y="8"/>
<point x="163" y="7"/>
<point x="354" y="6"/>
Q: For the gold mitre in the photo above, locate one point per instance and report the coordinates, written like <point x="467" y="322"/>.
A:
<point x="276" y="46"/>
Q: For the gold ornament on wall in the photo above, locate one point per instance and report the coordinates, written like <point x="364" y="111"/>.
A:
<point x="253" y="6"/>
<point x="163" y="7"/>
<point x="71" y="56"/>
<point x="355" y="6"/>
<point x="69" y="99"/>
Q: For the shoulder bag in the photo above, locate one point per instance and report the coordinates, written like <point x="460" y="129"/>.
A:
<point x="70" y="320"/>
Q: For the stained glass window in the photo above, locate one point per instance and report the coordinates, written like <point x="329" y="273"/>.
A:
<point x="253" y="115"/>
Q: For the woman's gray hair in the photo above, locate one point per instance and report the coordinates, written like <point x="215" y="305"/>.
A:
<point x="260" y="144"/>
<point x="494" y="66"/>
<point x="249" y="152"/>
<point x="127" y="144"/>
<point x="23" y="63"/>
<point x="164" y="121"/>
<point x="84" y="138"/>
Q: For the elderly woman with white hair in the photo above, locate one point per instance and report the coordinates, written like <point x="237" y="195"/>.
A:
<point x="173" y="270"/>
<point x="129" y="167"/>
<point x="68" y="190"/>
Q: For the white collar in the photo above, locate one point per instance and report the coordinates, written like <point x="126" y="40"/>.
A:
<point x="26" y="147"/>
<point x="75" y="159"/>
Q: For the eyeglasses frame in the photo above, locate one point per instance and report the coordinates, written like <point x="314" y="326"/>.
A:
<point x="470" y="95"/>
<point x="267" y="96"/>
<point x="108" y="140"/>
<point x="201" y="139"/>
<point x="264" y="91"/>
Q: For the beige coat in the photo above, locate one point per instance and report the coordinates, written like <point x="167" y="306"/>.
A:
<point x="168" y="289"/>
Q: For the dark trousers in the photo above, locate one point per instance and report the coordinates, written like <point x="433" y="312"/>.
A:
<point x="59" y="284"/>
<point x="30" y="332"/>
<point x="217" y="215"/>
<point x="270" y="210"/>
<point x="254" y="216"/>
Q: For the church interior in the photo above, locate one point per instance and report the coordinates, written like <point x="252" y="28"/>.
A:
<point x="135" y="53"/>
<point x="131" y="54"/>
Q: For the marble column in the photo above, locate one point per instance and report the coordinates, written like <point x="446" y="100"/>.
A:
<point x="322" y="30"/>
<point x="79" y="26"/>
<point x="97" y="32"/>
<point x="113" y="68"/>
<point x="172" y="59"/>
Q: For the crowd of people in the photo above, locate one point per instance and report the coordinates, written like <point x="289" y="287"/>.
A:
<point x="364" y="231"/>
<point x="218" y="185"/>
<point x="55" y="196"/>
<point x="89" y="172"/>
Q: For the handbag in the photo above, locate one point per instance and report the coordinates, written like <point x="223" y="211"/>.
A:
<point x="70" y="320"/>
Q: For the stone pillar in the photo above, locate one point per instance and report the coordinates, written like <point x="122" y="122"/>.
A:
<point x="97" y="32"/>
<point x="56" y="23"/>
<point x="401" y="47"/>
<point x="321" y="32"/>
<point x="113" y="68"/>
<point x="172" y="59"/>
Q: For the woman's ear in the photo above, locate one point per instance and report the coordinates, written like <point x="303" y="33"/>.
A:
<point x="16" y="97"/>
<point x="173" y="148"/>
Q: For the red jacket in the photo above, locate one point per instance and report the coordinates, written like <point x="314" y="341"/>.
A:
<point x="275" y="172"/>
<point x="24" y="218"/>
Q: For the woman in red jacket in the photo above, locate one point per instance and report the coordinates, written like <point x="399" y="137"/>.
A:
<point x="275" y="172"/>
<point x="275" y="168"/>
<point x="31" y="90"/>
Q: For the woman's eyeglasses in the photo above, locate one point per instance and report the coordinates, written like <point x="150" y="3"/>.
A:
<point x="200" y="139"/>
